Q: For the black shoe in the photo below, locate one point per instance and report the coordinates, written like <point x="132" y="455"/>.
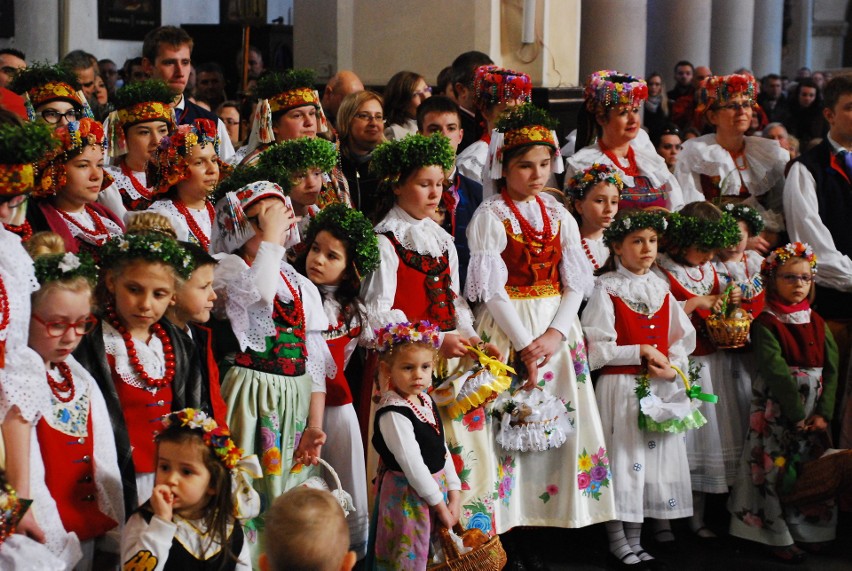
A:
<point x="705" y="539"/>
<point x="613" y="562"/>
<point x="653" y="564"/>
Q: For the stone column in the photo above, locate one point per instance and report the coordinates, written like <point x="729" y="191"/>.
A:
<point x="613" y="36"/>
<point x="731" y="29"/>
<point x="677" y="30"/>
<point x="768" y="29"/>
<point x="799" y="41"/>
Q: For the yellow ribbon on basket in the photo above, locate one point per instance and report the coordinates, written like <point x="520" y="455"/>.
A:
<point x="501" y="381"/>
<point x="694" y="391"/>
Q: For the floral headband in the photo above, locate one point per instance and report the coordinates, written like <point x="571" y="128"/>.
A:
<point x="582" y="182"/>
<point x="719" y="89"/>
<point x="59" y="267"/>
<point x="341" y="219"/>
<point x="405" y="332"/>
<point x="521" y="126"/>
<point x="779" y="256"/>
<point x="282" y="92"/>
<point x="218" y="439"/>
<point x="747" y="214"/>
<point x="39" y="84"/>
<point x="20" y="147"/>
<point x="140" y="102"/>
<point x="170" y="163"/>
<point x="493" y="85"/>
<point x="392" y="158"/>
<point x="633" y="221"/>
<point x="685" y="231"/>
<point x="608" y="88"/>
<point x="153" y="246"/>
<point x="72" y="139"/>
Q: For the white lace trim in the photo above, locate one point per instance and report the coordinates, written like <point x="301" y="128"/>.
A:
<point x="150" y="355"/>
<point x="70" y="417"/>
<point x="795" y="318"/>
<point x="486" y="276"/>
<point x="123" y="182"/>
<point x="575" y="270"/>
<point x="250" y="318"/>
<point x="85" y="220"/>
<point x="686" y="276"/>
<point x="422" y="236"/>
<point x="529" y="210"/>
<point x="648" y="290"/>
<point x="751" y="282"/>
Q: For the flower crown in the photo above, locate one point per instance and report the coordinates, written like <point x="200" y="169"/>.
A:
<point x="339" y="218"/>
<point x="151" y="246"/>
<point x="608" y="88"/>
<point x="218" y="438"/>
<point x="779" y="256"/>
<point x="493" y="85"/>
<point x="582" y="182"/>
<point x="525" y="125"/>
<point x="170" y="163"/>
<point x="747" y="214"/>
<point x="392" y="158"/>
<point x="718" y="89"/>
<point x="298" y="155"/>
<point x="41" y="83"/>
<point x="395" y="334"/>
<point x="58" y="267"/>
<point x="140" y="102"/>
<point x="685" y="231"/>
<point x="632" y="221"/>
<point x="20" y="147"/>
<point x="72" y="139"/>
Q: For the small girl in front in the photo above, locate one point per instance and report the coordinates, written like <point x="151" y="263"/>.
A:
<point x="636" y="330"/>
<point x="417" y="487"/>
<point x="794" y="391"/>
<point x="340" y="248"/>
<point x="593" y="195"/>
<point x="201" y="490"/>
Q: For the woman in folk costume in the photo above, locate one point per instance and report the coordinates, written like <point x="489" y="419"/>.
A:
<point x="143" y="116"/>
<point x="727" y="163"/>
<point x="528" y="270"/>
<point x="610" y="133"/>
<point x="71" y="180"/>
<point x="184" y="171"/>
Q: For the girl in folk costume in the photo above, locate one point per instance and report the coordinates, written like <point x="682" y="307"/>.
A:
<point x="692" y="238"/>
<point x="741" y="267"/>
<point x="201" y="492"/>
<point x="610" y="133"/>
<point x="417" y="487"/>
<point x="144" y="365"/>
<point x="495" y="90"/>
<point x="593" y="195"/>
<point x="275" y="392"/>
<point x="340" y="247"/>
<point x="794" y="391"/>
<point x="727" y="163"/>
<point x="52" y="94"/>
<point x="73" y="468"/>
<point x="528" y="269"/>
<point x="143" y="116"/>
<point x="185" y="169"/>
<point x="636" y="330"/>
<point x="71" y="180"/>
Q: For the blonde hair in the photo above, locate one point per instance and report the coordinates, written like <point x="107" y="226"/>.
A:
<point x="49" y="244"/>
<point x="306" y="529"/>
<point x="151" y="222"/>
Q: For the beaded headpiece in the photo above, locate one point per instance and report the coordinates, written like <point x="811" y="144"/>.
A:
<point x="392" y="158"/>
<point x="341" y="219"/>
<point x="281" y="92"/>
<point x="719" y="89"/>
<point x="747" y="214"/>
<point x="72" y="139"/>
<point x="232" y="228"/>
<point x="608" y="88"/>
<point x="20" y="147"/>
<point x="493" y="85"/>
<point x="583" y="181"/>
<point x="40" y="84"/>
<point x="779" y="256"/>
<point x="685" y="231"/>
<point x="151" y="246"/>
<point x="395" y="334"/>
<point x="633" y="221"/>
<point x="140" y="102"/>
<point x="299" y="155"/>
<point x="170" y="163"/>
<point x="57" y="267"/>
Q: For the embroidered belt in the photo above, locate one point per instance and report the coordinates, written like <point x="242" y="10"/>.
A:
<point x="288" y="367"/>
<point x="533" y="291"/>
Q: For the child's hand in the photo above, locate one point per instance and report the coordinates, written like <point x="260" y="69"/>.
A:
<point x="162" y="500"/>
<point x="816" y="422"/>
<point x="543" y="348"/>
<point x="489" y="349"/>
<point x="445" y="516"/>
<point x="653" y="356"/>
<point x="453" y="346"/>
<point x="532" y="374"/>
<point x="310" y="446"/>
<point x="759" y="244"/>
<point x="736" y="296"/>
<point x="454" y="505"/>
<point x="29" y="526"/>
<point x="661" y="371"/>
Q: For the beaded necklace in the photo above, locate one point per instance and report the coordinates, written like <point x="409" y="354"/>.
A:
<point x="25" y="231"/>
<point x="138" y="368"/>
<point x="589" y="254"/>
<point x="63" y="387"/>
<point x="4" y="321"/>
<point x="196" y="230"/>
<point x="98" y="235"/>
<point x="631" y="169"/>
<point x="420" y="416"/>
<point x="300" y="311"/>
<point x="700" y="269"/>
<point x="531" y="235"/>
<point x="143" y="191"/>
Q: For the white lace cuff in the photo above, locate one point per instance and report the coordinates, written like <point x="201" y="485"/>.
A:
<point x="486" y="276"/>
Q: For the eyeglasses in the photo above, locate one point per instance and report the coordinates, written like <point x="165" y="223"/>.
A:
<point x="366" y="117"/>
<point x="793" y="279"/>
<point x="52" y="117"/>
<point x="60" y="328"/>
<point x="13" y="201"/>
<point x="748" y="104"/>
<point x="423" y="92"/>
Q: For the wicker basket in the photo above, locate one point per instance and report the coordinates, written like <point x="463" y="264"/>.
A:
<point x="485" y="554"/>
<point x="729" y="332"/>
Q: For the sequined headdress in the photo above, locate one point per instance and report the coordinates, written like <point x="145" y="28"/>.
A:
<point x="39" y="84"/>
<point x="282" y="92"/>
<point x="719" y="89"/>
<point x="170" y="163"/>
<point x="609" y="88"/>
<point x="139" y="103"/>
<point x="493" y="85"/>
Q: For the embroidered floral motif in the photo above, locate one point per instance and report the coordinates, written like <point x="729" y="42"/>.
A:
<point x="593" y="473"/>
<point x="581" y="364"/>
<point x="505" y="479"/>
<point x="549" y="492"/>
<point x="71" y="417"/>
<point x="460" y="460"/>
<point x="270" y="443"/>
<point x="474" y="420"/>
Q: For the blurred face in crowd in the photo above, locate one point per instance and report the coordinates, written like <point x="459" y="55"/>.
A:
<point x="109" y="72"/>
<point x="295" y="123"/>
<point x="9" y="66"/>
<point x="778" y="133"/>
<point x="807" y="96"/>
<point x="773" y="88"/>
<point x="172" y="65"/>
<point x="137" y="73"/>
<point x="669" y="147"/>
<point x="230" y="116"/>
<point x="367" y="127"/>
<point x="655" y="85"/>
<point x="448" y="124"/>
<point x="683" y="74"/>
<point x="210" y="85"/>
<point x="732" y="117"/>
<point x="101" y="94"/>
<point x="422" y="92"/>
<point x="702" y="72"/>
<point x="840" y="120"/>
<point x="87" y="77"/>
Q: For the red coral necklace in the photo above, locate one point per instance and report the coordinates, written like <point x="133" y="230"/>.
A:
<point x="138" y="368"/>
<point x="589" y="254"/>
<point x="63" y="390"/>
<point x="300" y="311"/>
<point x="143" y="191"/>
<point x="531" y="235"/>
<point x="631" y="169"/>
<point x="99" y="234"/>
<point x="196" y="230"/>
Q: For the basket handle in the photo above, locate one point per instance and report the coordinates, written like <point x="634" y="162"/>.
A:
<point x="331" y="471"/>
<point x="694" y="391"/>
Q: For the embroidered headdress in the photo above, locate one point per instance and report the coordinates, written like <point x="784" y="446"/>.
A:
<point x="608" y="88"/>
<point x="139" y="103"/>
<point x="747" y="214"/>
<point x="493" y="85"/>
<point x="685" y="231"/>
<point x="719" y="89"/>
<point x="151" y="246"/>
<point x="40" y="84"/>
<point x="72" y="139"/>
<point x="56" y="267"/>
<point x="780" y="255"/>
<point x="232" y="228"/>
<point x="631" y="221"/>
<point x="581" y="182"/>
<point x="21" y="147"/>
<point x="392" y="158"/>
<point x="170" y="163"/>
<point x="341" y="219"/>
<point x="282" y="91"/>
<point x="405" y="332"/>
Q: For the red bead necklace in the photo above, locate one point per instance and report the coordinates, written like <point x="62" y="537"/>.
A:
<point x="631" y="169"/>
<point x="300" y="311"/>
<point x="420" y="416"/>
<point x="63" y="387"/>
<point x="100" y="228"/>
<point x="25" y="231"/>
<point x="531" y="235"/>
<point x="701" y="277"/>
<point x="138" y="368"/>
<point x="4" y="321"/>
<point x="589" y="254"/>
<point x="143" y="191"/>
<point x="196" y="230"/>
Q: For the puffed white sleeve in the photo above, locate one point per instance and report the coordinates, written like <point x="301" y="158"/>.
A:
<point x="20" y="552"/>
<point x="398" y="433"/>
<point x="598" y="322"/>
<point x="110" y="197"/>
<point x="805" y="225"/>
<point x="690" y="184"/>
<point x="146" y="545"/>
<point x="379" y="288"/>
<point x="574" y="268"/>
<point x="107" y="476"/>
<point x="675" y="199"/>
<point x="464" y="316"/>
<point x="320" y="363"/>
<point x="682" y="336"/>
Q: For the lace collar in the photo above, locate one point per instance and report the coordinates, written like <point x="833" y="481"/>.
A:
<point x="392" y="398"/>
<point x="650" y="164"/>
<point x="794" y="318"/>
<point x="529" y="210"/>
<point x="422" y="236"/>
<point x="697" y="279"/>
<point x="644" y="293"/>
<point x="151" y="355"/>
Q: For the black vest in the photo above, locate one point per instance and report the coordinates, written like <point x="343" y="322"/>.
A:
<point x="432" y="447"/>
<point x="191" y="112"/>
<point x="834" y="202"/>
<point x="182" y="560"/>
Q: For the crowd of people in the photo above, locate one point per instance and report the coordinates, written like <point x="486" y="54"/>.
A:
<point x="210" y="307"/>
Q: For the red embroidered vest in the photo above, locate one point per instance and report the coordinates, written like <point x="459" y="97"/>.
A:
<point x="337" y="392"/>
<point x="634" y="328"/>
<point x="533" y="271"/>
<point x="703" y="344"/>
<point x="286" y="353"/>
